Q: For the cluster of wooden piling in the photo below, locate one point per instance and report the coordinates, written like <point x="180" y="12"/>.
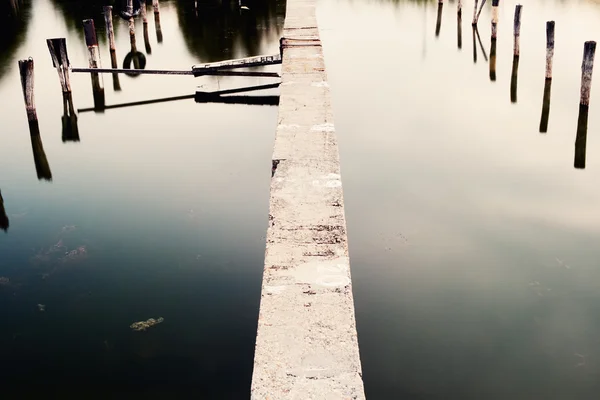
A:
<point x="587" y="66"/>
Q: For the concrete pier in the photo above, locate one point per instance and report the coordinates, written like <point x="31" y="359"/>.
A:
<point x="306" y="345"/>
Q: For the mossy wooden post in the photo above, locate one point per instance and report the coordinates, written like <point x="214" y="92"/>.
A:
<point x="495" y="19"/>
<point x="548" y="82"/>
<point x="110" y="33"/>
<point x="159" y="35"/>
<point x="516" y="53"/>
<point x="91" y="40"/>
<point x="39" y="156"/>
<point x="459" y="24"/>
<point x="438" y="23"/>
<point x="587" y="67"/>
<point x="145" y="23"/>
<point x="493" y="42"/>
<point x="4" y="223"/>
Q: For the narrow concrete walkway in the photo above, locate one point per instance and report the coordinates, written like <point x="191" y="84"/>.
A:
<point x="306" y="346"/>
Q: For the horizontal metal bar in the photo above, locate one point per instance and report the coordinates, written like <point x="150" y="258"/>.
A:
<point x="248" y="100"/>
<point x="174" y="72"/>
<point x="140" y="103"/>
<point x="240" y="90"/>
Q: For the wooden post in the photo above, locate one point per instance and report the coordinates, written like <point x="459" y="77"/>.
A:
<point x="39" y="156"/>
<point x="94" y="62"/>
<point x="60" y="60"/>
<point x="459" y="26"/>
<point x="459" y="8"/>
<point x="4" y="223"/>
<point x="587" y="67"/>
<point x="517" y="32"/>
<point x="549" y="48"/>
<point x="475" y="14"/>
<point x="145" y="22"/>
<point x="516" y="52"/>
<point x="131" y="26"/>
<point x="495" y="18"/>
<point x="108" y="19"/>
<point x="476" y="17"/>
<point x="438" y="24"/>
<point x="159" y="35"/>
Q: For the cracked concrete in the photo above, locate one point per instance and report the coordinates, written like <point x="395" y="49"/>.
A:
<point x="306" y="345"/>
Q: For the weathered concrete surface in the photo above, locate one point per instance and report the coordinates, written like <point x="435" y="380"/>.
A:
<point x="306" y="346"/>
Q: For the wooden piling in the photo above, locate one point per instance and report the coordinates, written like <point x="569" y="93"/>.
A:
<point x="495" y="18"/>
<point x="145" y="23"/>
<point x="587" y="67"/>
<point x="91" y="41"/>
<point x="159" y="35"/>
<point x="110" y="33"/>
<point x="475" y="14"/>
<point x="131" y="26"/>
<point x="4" y="223"/>
<point x="474" y="45"/>
<point x="517" y="30"/>
<point x="438" y="24"/>
<point x="549" y="48"/>
<point x="513" y="79"/>
<point x="459" y="8"/>
<point x="60" y="60"/>
<point x="39" y="156"/>
<point x="546" y="106"/>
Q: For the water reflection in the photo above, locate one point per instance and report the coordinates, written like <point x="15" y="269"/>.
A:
<point x="438" y="23"/>
<point x="4" y="223"/>
<point x="220" y="30"/>
<point x="546" y="106"/>
<point x="514" y="78"/>
<point x="581" y="139"/>
<point x="14" y="18"/>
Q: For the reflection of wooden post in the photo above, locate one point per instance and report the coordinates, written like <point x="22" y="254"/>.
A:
<point x="438" y="24"/>
<point x="474" y="45"/>
<point x="495" y="18"/>
<point x="3" y="218"/>
<point x="549" y="48"/>
<point x="39" y="156"/>
<point x="145" y="22"/>
<point x="587" y="67"/>
<point x="516" y="53"/>
<point x="546" y="106"/>
<point x="493" y="61"/>
<point x="108" y="18"/>
<point x="459" y="24"/>
<point x="94" y="62"/>
<point x="159" y="35"/>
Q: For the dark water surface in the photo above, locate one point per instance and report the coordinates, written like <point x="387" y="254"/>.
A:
<point x="158" y="210"/>
<point x="474" y="242"/>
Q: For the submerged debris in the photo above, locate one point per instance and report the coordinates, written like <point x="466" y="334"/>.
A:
<point x="4" y="280"/>
<point x="143" y="325"/>
<point x="41" y="307"/>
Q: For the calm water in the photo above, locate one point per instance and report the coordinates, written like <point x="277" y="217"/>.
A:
<point x="473" y="240"/>
<point x="165" y="206"/>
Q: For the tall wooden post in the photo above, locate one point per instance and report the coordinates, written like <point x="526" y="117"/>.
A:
<point x="495" y="18"/>
<point x="474" y="45"/>
<point x="60" y="59"/>
<point x="476" y="17"/>
<point x="91" y="41"/>
<point x="159" y="35"/>
<point x="131" y="26"/>
<point x="549" y="48"/>
<point x="39" y="156"/>
<point x="516" y="53"/>
<point x="475" y="14"/>
<point x="546" y="106"/>
<point x="108" y="19"/>
<point x="459" y="8"/>
<point x="493" y="61"/>
<point x="438" y="24"/>
<point x="4" y="223"/>
<point x="145" y="22"/>
<point x="587" y="67"/>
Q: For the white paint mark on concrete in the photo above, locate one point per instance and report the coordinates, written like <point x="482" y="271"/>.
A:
<point x="328" y="127"/>
<point x="332" y="176"/>
<point x="333" y="280"/>
<point x="275" y="289"/>
<point x="320" y="84"/>
<point x="333" y="184"/>
<point x="288" y="126"/>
